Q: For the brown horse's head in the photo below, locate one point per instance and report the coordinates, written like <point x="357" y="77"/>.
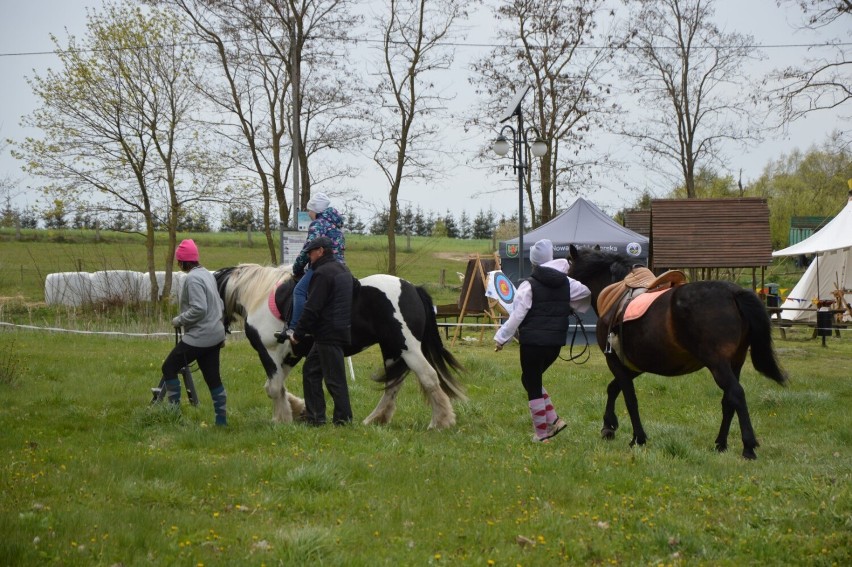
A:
<point x="597" y="269"/>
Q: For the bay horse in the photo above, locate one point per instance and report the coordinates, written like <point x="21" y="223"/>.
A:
<point x="708" y="324"/>
<point x="386" y="310"/>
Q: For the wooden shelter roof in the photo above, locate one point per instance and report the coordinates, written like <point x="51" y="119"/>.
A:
<point x="710" y="233"/>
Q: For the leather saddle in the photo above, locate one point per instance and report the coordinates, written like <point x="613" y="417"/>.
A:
<point x="638" y="281"/>
<point x="614" y="299"/>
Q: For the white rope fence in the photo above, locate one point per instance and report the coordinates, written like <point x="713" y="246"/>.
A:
<point x="82" y="332"/>
<point x="124" y="334"/>
<point x="170" y="334"/>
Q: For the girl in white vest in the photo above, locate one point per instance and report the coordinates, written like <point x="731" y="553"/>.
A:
<point x="539" y="316"/>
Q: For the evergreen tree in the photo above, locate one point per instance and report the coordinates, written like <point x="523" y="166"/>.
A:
<point x="439" y="228"/>
<point x="465" y="230"/>
<point x="380" y="223"/>
<point x="451" y="226"/>
<point x="193" y="221"/>
<point x="483" y="224"/>
<point x="405" y="223"/>
<point x="9" y="217"/>
<point x="28" y="218"/>
<point x="121" y="223"/>
<point x="422" y="224"/>
<point x="54" y="217"/>
<point x="239" y="220"/>
<point x="354" y="224"/>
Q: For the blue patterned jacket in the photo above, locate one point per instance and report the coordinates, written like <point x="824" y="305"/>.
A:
<point x="328" y="223"/>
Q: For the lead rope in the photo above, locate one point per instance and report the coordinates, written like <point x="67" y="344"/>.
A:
<point x="583" y="356"/>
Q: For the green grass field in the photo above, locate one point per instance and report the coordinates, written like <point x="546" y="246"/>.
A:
<point x="94" y="475"/>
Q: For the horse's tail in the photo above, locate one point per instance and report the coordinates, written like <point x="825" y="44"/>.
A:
<point x="432" y="347"/>
<point x="760" y="336"/>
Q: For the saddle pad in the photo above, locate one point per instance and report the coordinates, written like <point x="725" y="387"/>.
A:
<point x="273" y="308"/>
<point x="640" y="304"/>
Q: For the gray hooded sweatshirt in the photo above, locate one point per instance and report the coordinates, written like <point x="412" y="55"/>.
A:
<point x="201" y="310"/>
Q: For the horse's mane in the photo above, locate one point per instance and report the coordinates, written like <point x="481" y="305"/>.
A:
<point x="591" y="263"/>
<point x="249" y="286"/>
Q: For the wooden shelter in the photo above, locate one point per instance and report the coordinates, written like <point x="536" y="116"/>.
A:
<point x="703" y="236"/>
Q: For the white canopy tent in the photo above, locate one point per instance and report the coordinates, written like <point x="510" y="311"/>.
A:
<point x="832" y="268"/>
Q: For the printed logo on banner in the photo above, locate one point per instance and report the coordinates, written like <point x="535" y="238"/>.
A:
<point x="512" y="250"/>
<point x="634" y="248"/>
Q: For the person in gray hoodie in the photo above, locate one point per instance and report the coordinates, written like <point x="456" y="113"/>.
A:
<point x="200" y="316"/>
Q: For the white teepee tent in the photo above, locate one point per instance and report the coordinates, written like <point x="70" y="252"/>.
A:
<point x="832" y="267"/>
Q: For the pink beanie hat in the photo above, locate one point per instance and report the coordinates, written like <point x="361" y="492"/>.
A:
<point x="187" y="251"/>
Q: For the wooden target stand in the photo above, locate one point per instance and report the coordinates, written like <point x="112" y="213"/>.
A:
<point x="474" y="300"/>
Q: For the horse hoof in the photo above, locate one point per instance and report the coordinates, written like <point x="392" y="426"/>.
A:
<point x="608" y="433"/>
<point x="749" y="454"/>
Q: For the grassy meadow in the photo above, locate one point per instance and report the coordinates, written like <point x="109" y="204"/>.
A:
<point x="94" y="475"/>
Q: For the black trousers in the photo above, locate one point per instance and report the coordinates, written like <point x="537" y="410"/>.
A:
<point x="326" y="361"/>
<point x="184" y="354"/>
<point x="535" y="359"/>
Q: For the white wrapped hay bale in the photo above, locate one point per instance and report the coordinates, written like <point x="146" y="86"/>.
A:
<point x="176" y="281"/>
<point x="117" y="285"/>
<point x="68" y="288"/>
<point x="145" y="287"/>
<point x="179" y="278"/>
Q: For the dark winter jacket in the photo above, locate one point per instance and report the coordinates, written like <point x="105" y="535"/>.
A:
<point x="328" y="311"/>
<point x="546" y="323"/>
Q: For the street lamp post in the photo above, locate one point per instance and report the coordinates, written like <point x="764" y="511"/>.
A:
<point x="518" y="145"/>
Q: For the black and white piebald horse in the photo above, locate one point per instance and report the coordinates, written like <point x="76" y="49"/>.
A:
<point x="386" y="310"/>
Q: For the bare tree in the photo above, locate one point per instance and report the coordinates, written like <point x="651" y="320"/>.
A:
<point x="821" y="82"/>
<point x="416" y="45"/>
<point x="117" y="134"/>
<point x="330" y="102"/>
<point x="554" y="46"/>
<point x="267" y="50"/>
<point x="687" y="75"/>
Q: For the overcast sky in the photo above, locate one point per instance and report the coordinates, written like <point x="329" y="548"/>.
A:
<point x="25" y="47"/>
